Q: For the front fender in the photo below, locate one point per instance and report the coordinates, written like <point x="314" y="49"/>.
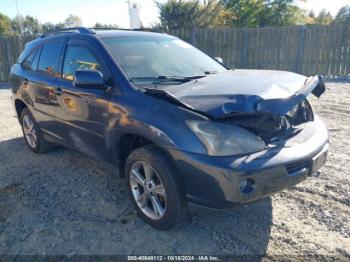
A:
<point x="158" y="121"/>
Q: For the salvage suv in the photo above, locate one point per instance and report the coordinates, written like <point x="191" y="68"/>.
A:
<point x="181" y="127"/>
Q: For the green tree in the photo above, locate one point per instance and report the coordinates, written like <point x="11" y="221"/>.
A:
<point x="5" y="24"/>
<point x="310" y="19"/>
<point x="16" y="25"/>
<point x="101" y="25"/>
<point x="312" y="14"/>
<point x="324" y="18"/>
<point x="188" y="14"/>
<point x="46" y="27"/>
<point x="73" y="21"/>
<point x="256" y="13"/>
<point x="343" y="16"/>
<point x="27" y="25"/>
<point x="31" y="26"/>
<point x="244" y="13"/>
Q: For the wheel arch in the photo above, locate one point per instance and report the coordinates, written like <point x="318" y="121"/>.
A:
<point x="19" y="106"/>
<point x="128" y="142"/>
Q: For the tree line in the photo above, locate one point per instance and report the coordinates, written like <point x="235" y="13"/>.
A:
<point x="29" y="25"/>
<point x="175" y="14"/>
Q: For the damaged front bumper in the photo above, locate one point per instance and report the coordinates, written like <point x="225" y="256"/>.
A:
<point x="222" y="182"/>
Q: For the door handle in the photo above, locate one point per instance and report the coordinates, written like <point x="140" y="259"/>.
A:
<point x="58" y="91"/>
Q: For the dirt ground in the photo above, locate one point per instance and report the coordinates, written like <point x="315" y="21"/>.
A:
<point x="65" y="203"/>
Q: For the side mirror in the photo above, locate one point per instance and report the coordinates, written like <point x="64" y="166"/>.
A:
<point x="88" y="78"/>
<point x="219" y="59"/>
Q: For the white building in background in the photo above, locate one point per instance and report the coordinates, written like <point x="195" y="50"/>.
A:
<point x="134" y="14"/>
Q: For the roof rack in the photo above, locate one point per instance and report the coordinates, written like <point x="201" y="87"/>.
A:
<point x="81" y="30"/>
<point x="145" y="29"/>
<point x="126" y="29"/>
<point x="105" y="28"/>
<point x="90" y="31"/>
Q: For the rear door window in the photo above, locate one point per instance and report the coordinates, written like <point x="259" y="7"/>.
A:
<point x="49" y="58"/>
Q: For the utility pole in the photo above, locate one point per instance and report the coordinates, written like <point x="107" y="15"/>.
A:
<point x="19" y="18"/>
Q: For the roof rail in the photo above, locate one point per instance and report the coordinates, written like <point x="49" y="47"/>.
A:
<point x="80" y="29"/>
<point x="145" y="29"/>
<point x="126" y="29"/>
<point x="104" y="28"/>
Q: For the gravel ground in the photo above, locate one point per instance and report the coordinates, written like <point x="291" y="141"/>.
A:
<point x="65" y="203"/>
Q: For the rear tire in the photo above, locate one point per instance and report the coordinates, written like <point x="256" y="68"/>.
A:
<point x="156" y="193"/>
<point x="33" y="135"/>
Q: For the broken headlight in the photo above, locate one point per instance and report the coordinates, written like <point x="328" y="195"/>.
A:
<point x="224" y="140"/>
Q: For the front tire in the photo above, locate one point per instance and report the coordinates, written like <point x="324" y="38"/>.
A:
<point x="32" y="133"/>
<point x="153" y="188"/>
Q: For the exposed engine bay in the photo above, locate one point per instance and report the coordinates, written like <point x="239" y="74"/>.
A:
<point x="273" y="105"/>
<point x="271" y="127"/>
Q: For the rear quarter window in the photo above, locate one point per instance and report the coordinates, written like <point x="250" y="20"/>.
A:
<point x="31" y="62"/>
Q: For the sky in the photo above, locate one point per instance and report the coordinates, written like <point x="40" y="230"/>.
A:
<point x="317" y="5"/>
<point x="114" y="11"/>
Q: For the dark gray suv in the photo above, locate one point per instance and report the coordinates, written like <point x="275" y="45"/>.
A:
<point x="182" y="128"/>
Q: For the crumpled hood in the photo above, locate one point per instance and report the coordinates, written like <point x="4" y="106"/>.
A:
<point x="246" y="91"/>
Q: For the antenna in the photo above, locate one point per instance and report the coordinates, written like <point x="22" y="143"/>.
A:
<point x="19" y="18"/>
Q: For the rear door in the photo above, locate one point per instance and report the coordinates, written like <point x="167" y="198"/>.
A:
<point x="41" y="80"/>
<point x="81" y="114"/>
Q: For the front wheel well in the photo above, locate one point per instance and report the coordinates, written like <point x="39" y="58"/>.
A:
<point x="130" y="142"/>
<point x="127" y="144"/>
<point x="19" y="105"/>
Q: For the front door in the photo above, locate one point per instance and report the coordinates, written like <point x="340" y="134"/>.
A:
<point x="82" y="113"/>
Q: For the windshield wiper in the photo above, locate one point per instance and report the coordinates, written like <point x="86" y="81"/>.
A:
<point x="181" y="79"/>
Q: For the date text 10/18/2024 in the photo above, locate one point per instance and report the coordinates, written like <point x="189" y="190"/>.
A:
<point x="173" y="258"/>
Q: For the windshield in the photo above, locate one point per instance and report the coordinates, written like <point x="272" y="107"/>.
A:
<point x="147" y="58"/>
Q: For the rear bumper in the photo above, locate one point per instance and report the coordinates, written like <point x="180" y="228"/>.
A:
<point x="223" y="182"/>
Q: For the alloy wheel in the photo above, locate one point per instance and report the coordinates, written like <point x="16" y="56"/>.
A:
<point x="148" y="190"/>
<point x="29" y="131"/>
